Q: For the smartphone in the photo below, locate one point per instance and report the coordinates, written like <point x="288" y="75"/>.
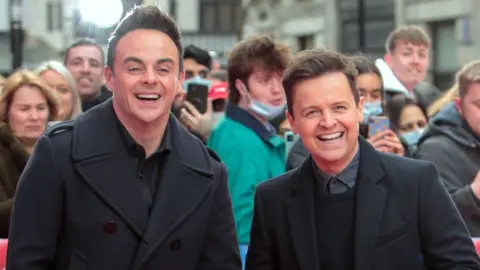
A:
<point x="290" y="139"/>
<point x="377" y="124"/>
<point x="197" y="94"/>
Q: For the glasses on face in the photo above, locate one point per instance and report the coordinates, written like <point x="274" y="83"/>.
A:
<point x="202" y="73"/>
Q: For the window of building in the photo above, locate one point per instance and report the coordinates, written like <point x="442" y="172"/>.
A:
<point x="445" y="61"/>
<point x="305" y="42"/>
<point x="54" y="16"/>
<point x="365" y="25"/>
<point x="220" y="16"/>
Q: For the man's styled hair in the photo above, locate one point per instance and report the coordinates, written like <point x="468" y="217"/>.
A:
<point x="255" y="52"/>
<point x="83" y="42"/>
<point x="200" y="56"/>
<point x="313" y="63"/>
<point x="409" y="34"/>
<point x="144" y="17"/>
<point x="468" y="74"/>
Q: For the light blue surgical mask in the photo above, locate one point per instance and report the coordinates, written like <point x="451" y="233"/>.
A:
<point x="373" y="108"/>
<point x="412" y="137"/>
<point x="266" y="111"/>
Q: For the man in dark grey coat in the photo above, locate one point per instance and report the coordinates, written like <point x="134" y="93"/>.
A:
<point x="452" y="142"/>
<point x="125" y="186"/>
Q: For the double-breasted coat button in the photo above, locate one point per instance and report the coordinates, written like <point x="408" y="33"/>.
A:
<point x="110" y="227"/>
<point x="175" y="244"/>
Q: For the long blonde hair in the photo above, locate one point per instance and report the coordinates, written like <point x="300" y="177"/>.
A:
<point x="443" y="100"/>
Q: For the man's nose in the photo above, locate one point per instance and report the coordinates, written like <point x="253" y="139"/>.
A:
<point x="149" y="77"/>
<point x="327" y="121"/>
<point x="85" y="67"/>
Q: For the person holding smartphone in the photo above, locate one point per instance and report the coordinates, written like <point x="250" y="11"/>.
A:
<point x="376" y="125"/>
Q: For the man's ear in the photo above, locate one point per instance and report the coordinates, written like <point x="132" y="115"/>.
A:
<point x="387" y="58"/>
<point x="108" y="77"/>
<point x="458" y="104"/>
<point x="179" y="82"/>
<point x="291" y="121"/>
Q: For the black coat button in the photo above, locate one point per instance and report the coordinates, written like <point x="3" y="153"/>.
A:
<point x="110" y="227"/>
<point x="175" y="244"/>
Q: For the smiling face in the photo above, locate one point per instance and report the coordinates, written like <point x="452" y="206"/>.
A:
<point x="327" y="119"/>
<point x="146" y="76"/>
<point x="409" y="63"/>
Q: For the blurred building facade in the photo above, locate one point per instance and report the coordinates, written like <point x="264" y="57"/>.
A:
<point x="301" y="24"/>
<point x="47" y="25"/>
<point x="453" y="25"/>
<point x="209" y="24"/>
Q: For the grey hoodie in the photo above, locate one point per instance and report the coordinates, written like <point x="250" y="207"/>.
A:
<point x="449" y="143"/>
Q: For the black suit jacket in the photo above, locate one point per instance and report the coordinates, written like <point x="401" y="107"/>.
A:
<point x="75" y="209"/>
<point x="405" y="219"/>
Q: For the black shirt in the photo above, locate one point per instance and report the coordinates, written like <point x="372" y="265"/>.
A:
<point x="146" y="171"/>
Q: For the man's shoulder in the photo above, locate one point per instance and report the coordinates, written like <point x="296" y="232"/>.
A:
<point x="278" y="184"/>
<point x="403" y="168"/>
<point x="60" y="128"/>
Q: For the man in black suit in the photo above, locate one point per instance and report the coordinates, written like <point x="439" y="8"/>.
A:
<point x="349" y="206"/>
<point x="125" y="186"/>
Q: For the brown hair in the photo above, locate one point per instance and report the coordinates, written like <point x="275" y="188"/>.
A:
<point x="468" y="74"/>
<point x="254" y="52"/>
<point x="314" y="63"/>
<point x="19" y="79"/>
<point x="407" y="33"/>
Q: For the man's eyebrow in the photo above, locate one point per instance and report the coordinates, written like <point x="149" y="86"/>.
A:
<point x="140" y="61"/>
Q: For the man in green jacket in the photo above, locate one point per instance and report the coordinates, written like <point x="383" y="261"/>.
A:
<point x="244" y="139"/>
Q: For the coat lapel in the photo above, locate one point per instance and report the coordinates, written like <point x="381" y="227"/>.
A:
<point x="300" y="212"/>
<point x="370" y="204"/>
<point x="93" y="150"/>
<point x="185" y="183"/>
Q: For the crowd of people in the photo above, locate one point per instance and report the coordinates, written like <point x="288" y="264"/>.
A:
<point x="307" y="160"/>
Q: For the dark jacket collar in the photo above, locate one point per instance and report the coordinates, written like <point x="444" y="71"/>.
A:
<point x="96" y="134"/>
<point x="369" y="167"/>
<point x="243" y="117"/>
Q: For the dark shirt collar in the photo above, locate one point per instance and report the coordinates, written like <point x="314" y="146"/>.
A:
<point x="135" y="148"/>
<point x="347" y="176"/>
<point x="237" y="114"/>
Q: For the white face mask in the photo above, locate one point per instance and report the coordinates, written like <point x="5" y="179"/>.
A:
<point x="266" y="111"/>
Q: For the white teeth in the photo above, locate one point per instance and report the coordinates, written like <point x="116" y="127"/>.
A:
<point x="332" y="136"/>
<point x="150" y="97"/>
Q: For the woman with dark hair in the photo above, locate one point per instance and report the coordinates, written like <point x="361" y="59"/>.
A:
<point x="370" y="86"/>
<point x="408" y="119"/>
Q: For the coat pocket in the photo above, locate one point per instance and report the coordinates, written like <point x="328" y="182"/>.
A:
<point x="77" y="261"/>
<point x="392" y="235"/>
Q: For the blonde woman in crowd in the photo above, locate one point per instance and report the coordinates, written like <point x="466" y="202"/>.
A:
<point x="57" y="76"/>
<point x="26" y="104"/>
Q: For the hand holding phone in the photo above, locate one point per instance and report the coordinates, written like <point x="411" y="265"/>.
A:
<point x="197" y="93"/>
<point x="377" y="124"/>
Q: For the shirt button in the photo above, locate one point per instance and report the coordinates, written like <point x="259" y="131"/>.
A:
<point x="141" y="175"/>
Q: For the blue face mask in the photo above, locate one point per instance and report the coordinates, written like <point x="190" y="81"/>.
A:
<point x="370" y="109"/>
<point x="266" y="111"/>
<point x="412" y="137"/>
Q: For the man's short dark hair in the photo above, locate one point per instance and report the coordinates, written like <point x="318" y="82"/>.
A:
<point x="310" y="64"/>
<point x="200" y="56"/>
<point x="83" y="42"/>
<point x="255" y="52"/>
<point x="144" y="17"/>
